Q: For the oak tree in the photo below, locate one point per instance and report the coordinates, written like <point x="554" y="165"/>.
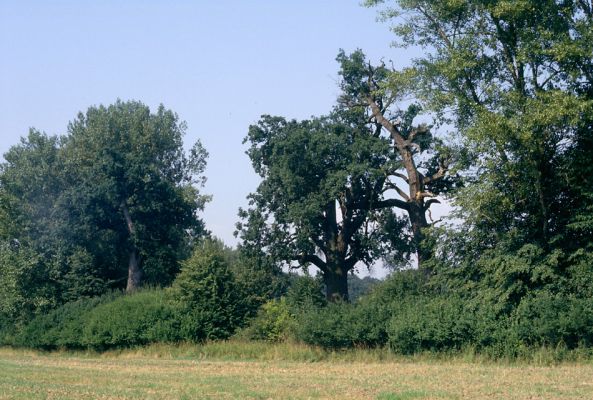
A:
<point x="321" y="200"/>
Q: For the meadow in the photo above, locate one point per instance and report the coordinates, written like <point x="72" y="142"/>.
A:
<point x="284" y="371"/>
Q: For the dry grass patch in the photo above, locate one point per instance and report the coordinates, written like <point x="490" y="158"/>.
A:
<point x="30" y="375"/>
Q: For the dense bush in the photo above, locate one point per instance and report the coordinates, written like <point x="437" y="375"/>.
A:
<point x="360" y="324"/>
<point x="274" y="322"/>
<point x="206" y="292"/>
<point x="401" y="312"/>
<point x="144" y="317"/>
<point x="61" y="327"/>
<point x="440" y="323"/>
<point x="552" y="320"/>
<point x="341" y="325"/>
<point x="104" y="322"/>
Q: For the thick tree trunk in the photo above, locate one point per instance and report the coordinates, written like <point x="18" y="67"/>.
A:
<point x="418" y="221"/>
<point x="336" y="284"/>
<point x="134" y="269"/>
<point x="134" y="272"/>
<point x="335" y="274"/>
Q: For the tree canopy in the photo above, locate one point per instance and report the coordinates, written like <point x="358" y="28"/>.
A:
<point x="111" y="204"/>
<point x="514" y="79"/>
<point x="322" y="194"/>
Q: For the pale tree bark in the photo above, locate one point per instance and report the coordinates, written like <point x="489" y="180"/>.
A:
<point x="135" y="272"/>
<point x="416" y="203"/>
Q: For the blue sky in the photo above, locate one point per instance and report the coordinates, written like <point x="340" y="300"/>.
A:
<point x="218" y="64"/>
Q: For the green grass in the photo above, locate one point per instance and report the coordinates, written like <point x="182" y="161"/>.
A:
<point x="235" y="370"/>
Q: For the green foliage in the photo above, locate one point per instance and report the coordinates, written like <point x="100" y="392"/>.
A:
<point x="305" y="292"/>
<point x="207" y="292"/>
<point x="337" y="325"/>
<point x="147" y="316"/>
<point x="25" y="285"/>
<point x="274" y="322"/>
<point x="109" y="321"/>
<point x="344" y="325"/>
<point x="259" y="278"/>
<point x="63" y="326"/>
<point x="64" y="201"/>
<point x="435" y="324"/>
<point x="552" y="320"/>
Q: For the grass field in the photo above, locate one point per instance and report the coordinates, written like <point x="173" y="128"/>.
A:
<point x="179" y="374"/>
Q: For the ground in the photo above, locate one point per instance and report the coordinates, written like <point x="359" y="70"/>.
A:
<point x="32" y="375"/>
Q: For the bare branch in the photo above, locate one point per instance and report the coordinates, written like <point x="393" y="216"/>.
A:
<point x="399" y="191"/>
<point x="390" y="203"/>
<point x="401" y="176"/>
<point x="440" y="174"/>
<point x="311" y="259"/>
<point x="422" y="195"/>
<point x="430" y="203"/>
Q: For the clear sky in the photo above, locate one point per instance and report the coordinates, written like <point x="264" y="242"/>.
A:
<point x="218" y="64"/>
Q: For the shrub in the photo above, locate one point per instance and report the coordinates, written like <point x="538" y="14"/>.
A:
<point x="205" y="290"/>
<point x="546" y="319"/>
<point x="61" y="327"/>
<point x="143" y="317"/>
<point x="274" y="322"/>
<point x="342" y="325"/>
<point x="433" y="324"/>
<point x="330" y="327"/>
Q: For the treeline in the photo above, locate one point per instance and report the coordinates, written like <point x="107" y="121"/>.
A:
<point x="508" y="87"/>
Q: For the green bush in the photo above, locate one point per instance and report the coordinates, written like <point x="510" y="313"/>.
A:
<point x="104" y="322"/>
<point x="332" y="326"/>
<point x="305" y="292"/>
<point x="205" y="290"/>
<point x="342" y="325"/>
<point x="548" y="319"/>
<point x="274" y="322"/>
<point x="61" y="327"/>
<point x="435" y="324"/>
<point x="361" y="324"/>
<point x="147" y="316"/>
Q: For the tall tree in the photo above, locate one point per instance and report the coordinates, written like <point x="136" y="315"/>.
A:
<point x="321" y="200"/>
<point x="515" y="79"/>
<point x="30" y="182"/>
<point x="134" y="180"/>
<point x="117" y="189"/>
<point x="424" y="161"/>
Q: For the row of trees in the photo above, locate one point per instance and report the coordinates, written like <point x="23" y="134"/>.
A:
<point x="113" y="203"/>
<point x="512" y="79"/>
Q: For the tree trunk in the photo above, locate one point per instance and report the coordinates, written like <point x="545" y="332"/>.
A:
<point x="418" y="221"/>
<point x="134" y="271"/>
<point x="134" y="268"/>
<point x="336" y="284"/>
<point x="416" y="182"/>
